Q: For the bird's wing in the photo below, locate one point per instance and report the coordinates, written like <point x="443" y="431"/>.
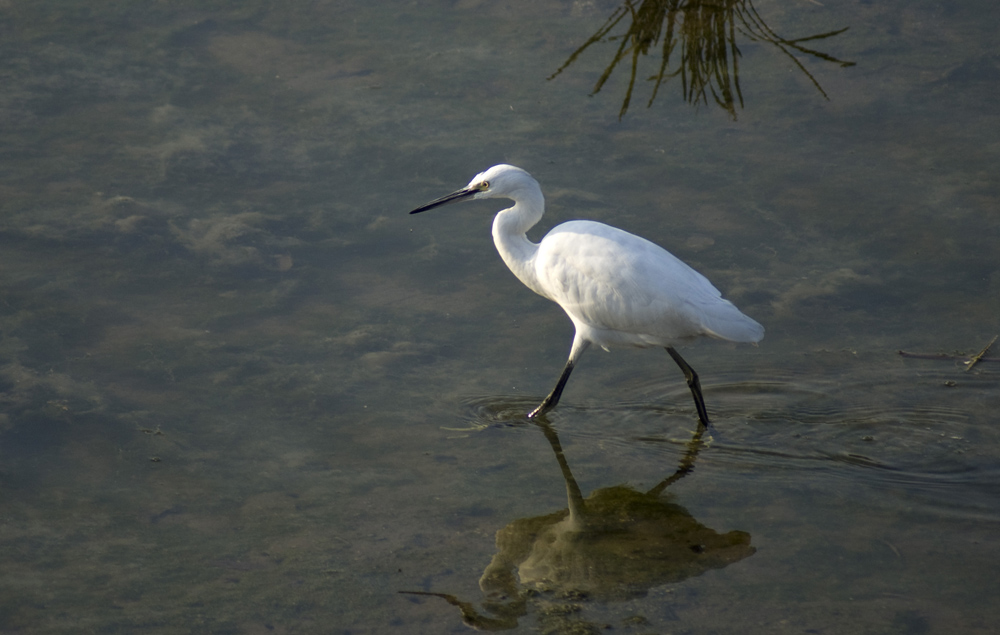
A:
<point x="613" y="280"/>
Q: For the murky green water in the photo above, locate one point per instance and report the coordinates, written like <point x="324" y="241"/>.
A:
<point x="242" y="391"/>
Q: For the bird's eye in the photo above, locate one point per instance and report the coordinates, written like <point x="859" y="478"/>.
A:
<point x="485" y="185"/>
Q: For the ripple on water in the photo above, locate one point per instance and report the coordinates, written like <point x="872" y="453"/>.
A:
<point x="877" y="433"/>
<point x="496" y="410"/>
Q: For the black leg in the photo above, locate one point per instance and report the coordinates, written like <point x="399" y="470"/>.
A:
<point x="550" y="402"/>
<point x="693" y="384"/>
<point x="579" y="345"/>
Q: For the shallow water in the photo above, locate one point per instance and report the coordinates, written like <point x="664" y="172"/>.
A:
<point x="242" y="391"/>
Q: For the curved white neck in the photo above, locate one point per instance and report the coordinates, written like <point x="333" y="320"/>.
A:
<point x="509" y="229"/>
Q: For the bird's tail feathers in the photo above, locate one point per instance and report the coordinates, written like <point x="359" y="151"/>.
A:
<point x="733" y="326"/>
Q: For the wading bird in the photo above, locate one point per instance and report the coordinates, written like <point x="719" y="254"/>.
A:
<point x="617" y="288"/>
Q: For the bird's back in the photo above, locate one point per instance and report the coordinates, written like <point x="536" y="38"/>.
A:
<point x="627" y="290"/>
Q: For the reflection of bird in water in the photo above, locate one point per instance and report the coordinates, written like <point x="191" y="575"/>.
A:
<point x="617" y="288"/>
<point x="614" y="545"/>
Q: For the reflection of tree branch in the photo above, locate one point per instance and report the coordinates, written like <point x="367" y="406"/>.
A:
<point x="706" y="31"/>
<point x="765" y="34"/>
<point x="613" y="21"/>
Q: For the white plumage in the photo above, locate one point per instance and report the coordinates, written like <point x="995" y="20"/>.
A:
<point x="617" y="288"/>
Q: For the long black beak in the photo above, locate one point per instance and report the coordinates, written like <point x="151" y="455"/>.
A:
<point x="454" y="197"/>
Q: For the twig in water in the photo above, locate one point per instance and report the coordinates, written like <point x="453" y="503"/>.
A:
<point x="979" y="357"/>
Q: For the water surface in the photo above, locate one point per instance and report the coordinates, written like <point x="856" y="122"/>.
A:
<point x="244" y="392"/>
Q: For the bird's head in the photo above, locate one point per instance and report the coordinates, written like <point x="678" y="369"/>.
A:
<point x="500" y="181"/>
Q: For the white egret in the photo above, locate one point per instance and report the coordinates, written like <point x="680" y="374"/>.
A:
<point x="617" y="288"/>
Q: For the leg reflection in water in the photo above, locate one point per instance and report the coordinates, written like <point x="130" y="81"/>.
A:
<point x="612" y="546"/>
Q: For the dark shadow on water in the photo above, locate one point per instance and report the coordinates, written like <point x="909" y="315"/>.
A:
<point x="612" y="546"/>
<point x="706" y="33"/>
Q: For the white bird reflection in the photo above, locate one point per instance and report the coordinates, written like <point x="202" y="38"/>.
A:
<point x="612" y="546"/>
